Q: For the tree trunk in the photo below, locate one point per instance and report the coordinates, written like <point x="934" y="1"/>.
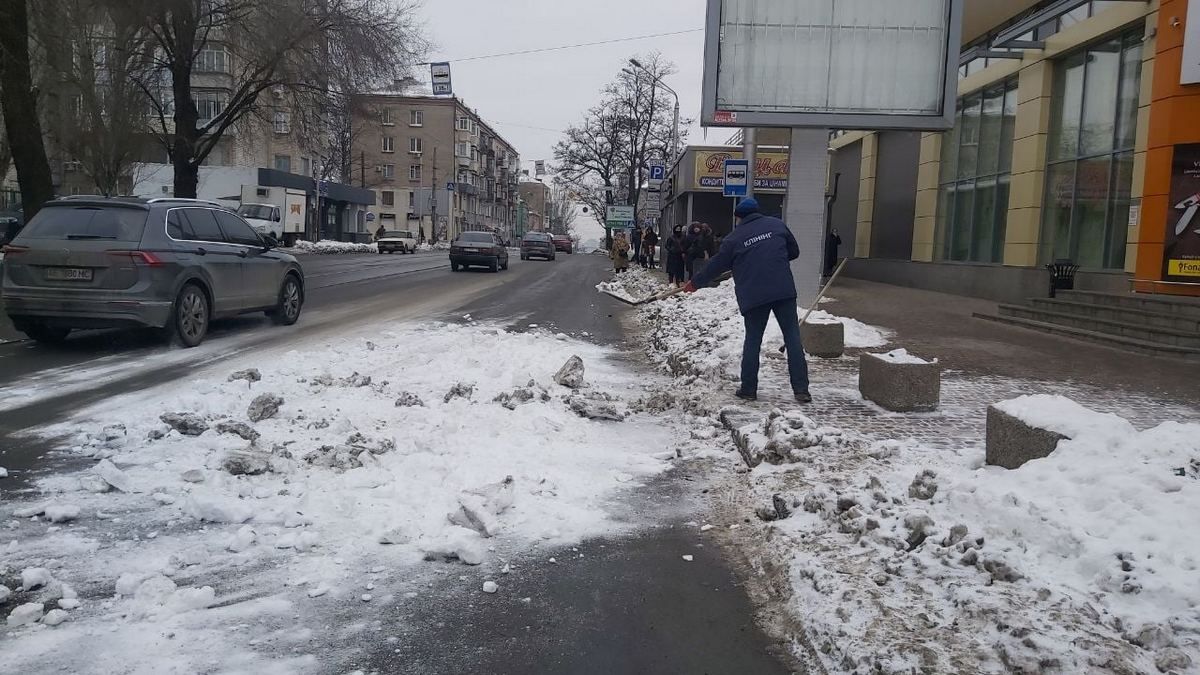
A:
<point x="183" y="144"/>
<point x="20" y="109"/>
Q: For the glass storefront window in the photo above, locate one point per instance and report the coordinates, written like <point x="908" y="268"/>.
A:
<point x="975" y="177"/>
<point x="1090" y="172"/>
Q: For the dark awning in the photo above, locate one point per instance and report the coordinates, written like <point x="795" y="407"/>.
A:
<point x="338" y="192"/>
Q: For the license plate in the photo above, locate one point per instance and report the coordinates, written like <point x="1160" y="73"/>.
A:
<point x="68" y="274"/>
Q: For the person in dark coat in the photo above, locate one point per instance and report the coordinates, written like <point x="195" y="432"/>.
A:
<point x="759" y="251"/>
<point x="635" y="243"/>
<point x="673" y="255"/>
<point x="700" y="246"/>
<point x="832" y="241"/>
<point x="649" y="244"/>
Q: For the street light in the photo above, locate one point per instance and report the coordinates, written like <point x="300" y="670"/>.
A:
<point x="653" y="80"/>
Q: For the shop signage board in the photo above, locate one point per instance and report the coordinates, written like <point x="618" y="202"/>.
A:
<point x="1181" y="255"/>
<point x="770" y="175"/>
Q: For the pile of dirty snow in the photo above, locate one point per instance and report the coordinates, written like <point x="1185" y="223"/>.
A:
<point x="701" y="334"/>
<point x="901" y="557"/>
<point x="329" y="247"/>
<point x="633" y="284"/>
<point x="294" y="477"/>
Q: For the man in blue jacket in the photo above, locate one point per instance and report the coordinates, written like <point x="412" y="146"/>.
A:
<point x="759" y="251"/>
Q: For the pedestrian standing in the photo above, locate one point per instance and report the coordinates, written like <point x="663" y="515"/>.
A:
<point x="701" y="246"/>
<point x="759" y="251"/>
<point x="620" y="253"/>
<point x="380" y="233"/>
<point x="649" y="244"/>
<point x="673" y="256"/>
<point x="635" y="242"/>
<point x="832" y="241"/>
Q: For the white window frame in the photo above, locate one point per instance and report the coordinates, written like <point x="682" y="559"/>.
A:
<point x="414" y="172"/>
<point x="282" y="124"/>
<point x="464" y="123"/>
<point x="383" y="197"/>
<point x="416" y="118"/>
<point x="389" y="170"/>
<point x="385" y="117"/>
<point x="207" y="60"/>
<point x="389" y="144"/>
<point x="416" y="145"/>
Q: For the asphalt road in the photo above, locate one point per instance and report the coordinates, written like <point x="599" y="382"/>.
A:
<point x="615" y="606"/>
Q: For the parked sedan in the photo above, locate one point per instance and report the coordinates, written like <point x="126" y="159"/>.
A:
<point x="563" y="243"/>
<point x="537" y="245"/>
<point x="173" y="264"/>
<point x="481" y="249"/>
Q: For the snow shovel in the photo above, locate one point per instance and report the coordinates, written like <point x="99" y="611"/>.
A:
<point x="663" y="295"/>
<point x="820" y="295"/>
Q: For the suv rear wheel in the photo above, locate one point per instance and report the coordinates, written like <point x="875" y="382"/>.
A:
<point x="291" y="299"/>
<point x="50" y="335"/>
<point x="189" y="318"/>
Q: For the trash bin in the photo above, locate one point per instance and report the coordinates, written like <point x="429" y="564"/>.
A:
<point x="1062" y="276"/>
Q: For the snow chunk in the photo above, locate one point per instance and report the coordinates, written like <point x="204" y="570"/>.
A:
<point x="218" y="509"/>
<point x="4" y="593"/>
<point x="571" y="374"/>
<point x="490" y="587"/>
<point x="456" y="543"/>
<point x="26" y="614"/>
<point x="264" y="407"/>
<point x="114" y="476"/>
<point x="188" y="424"/>
<point x="61" y="513"/>
<point x="3" y="472"/>
<point x="35" y="577"/>
<point x="55" y="616"/>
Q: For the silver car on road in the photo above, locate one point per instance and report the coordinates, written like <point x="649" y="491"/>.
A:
<point x="174" y="264"/>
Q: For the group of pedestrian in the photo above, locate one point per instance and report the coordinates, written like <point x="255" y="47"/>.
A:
<point x="640" y="246"/>
<point x="685" y="251"/>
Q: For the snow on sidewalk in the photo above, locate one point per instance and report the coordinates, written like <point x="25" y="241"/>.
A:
<point x="901" y="552"/>
<point x="292" y="478"/>
<point x="330" y="247"/>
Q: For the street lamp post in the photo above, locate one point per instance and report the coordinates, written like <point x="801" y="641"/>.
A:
<point x="657" y="80"/>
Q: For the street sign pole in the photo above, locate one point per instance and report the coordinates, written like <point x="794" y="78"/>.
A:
<point x="749" y="149"/>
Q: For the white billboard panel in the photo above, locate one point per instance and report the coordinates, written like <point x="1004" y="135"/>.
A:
<point x="832" y="63"/>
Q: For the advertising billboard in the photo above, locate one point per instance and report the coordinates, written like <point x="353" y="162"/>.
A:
<point x="770" y="171"/>
<point x="838" y="64"/>
<point x="1181" y="257"/>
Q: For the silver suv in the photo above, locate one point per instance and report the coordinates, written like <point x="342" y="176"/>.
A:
<point x="175" y="264"/>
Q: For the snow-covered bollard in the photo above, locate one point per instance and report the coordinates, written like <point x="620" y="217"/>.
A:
<point x="824" y="339"/>
<point x="900" y="382"/>
<point x="1031" y="427"/>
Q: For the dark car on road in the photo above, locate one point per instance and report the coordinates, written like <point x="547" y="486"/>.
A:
<point x="481" y="249"/>
<point x="537" y="245"/>
<point x="172" y="264"/>
<point x="563" y="243"/>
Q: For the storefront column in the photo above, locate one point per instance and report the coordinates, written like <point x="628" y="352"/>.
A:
<point x="925" y="227"/>
<point x="1142" y="143"/>
<point x="866" y="196"/>
<point x="1023" y="229"/>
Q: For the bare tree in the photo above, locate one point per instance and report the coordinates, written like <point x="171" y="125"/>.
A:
<point x="605" y="159"/>
<point x="305" y="50"/>
<point x="94" y="54"/>
<point x="20" y="109"/>
<point x="560" y="209"/>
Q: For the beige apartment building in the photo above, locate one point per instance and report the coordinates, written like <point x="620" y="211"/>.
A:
<point x="535" y="197"/>
<point x="435" y="165"/>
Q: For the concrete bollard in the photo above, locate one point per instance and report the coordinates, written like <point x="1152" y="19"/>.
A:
<point x="1011" y="442"/>
<point x="900" y="382"/>
<point x="824" y="340"/>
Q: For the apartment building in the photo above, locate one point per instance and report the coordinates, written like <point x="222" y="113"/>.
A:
<point x="435" y="165"/>
<point x="535" y="196"/>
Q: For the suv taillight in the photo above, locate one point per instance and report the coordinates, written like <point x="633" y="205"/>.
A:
<point x="139" y="257"/>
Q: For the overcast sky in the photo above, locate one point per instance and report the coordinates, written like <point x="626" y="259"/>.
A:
<point x="532" y="98"/>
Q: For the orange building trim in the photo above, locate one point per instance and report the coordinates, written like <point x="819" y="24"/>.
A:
<point x="1174" y="120"/>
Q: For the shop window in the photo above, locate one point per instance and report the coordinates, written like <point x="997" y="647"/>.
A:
<point x="975" y="176"/>
<point x="1089" y="176"/>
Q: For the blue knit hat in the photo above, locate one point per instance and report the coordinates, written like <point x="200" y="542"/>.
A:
<point x="746" y="207"/>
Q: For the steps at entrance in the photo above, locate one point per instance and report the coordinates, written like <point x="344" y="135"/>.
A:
<point x="1149" y="324"/>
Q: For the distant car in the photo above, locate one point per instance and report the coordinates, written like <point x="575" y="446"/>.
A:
<point x="401" y="240"/>
<point x="537" y="245"/>
<point x="173" y="264"/>
<point x="563" y="243"/>
<point x="481" y="249"/>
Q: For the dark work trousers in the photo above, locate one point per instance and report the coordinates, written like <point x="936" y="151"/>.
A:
<point x="789" y="322"/>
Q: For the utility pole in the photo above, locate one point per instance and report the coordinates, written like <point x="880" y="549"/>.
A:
<point x="749" y="150"/>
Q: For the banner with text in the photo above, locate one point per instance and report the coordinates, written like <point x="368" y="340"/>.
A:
<point x="770" y="174"/>
<point x="1181" y="259"/>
